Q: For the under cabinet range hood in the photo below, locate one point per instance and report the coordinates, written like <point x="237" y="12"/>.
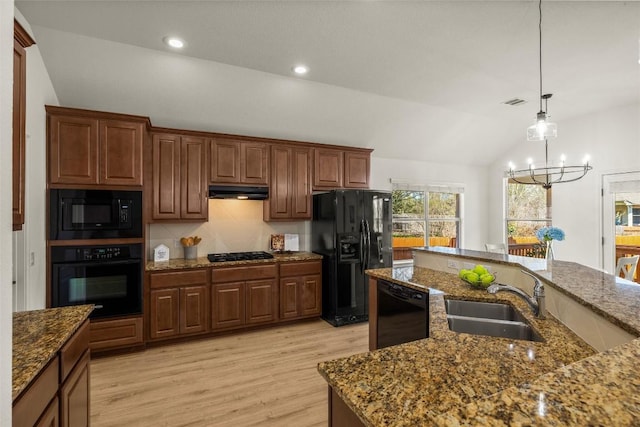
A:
<point x="238" y="192"/>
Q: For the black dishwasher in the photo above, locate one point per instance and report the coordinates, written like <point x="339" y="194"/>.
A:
<point x="403" y="314"/>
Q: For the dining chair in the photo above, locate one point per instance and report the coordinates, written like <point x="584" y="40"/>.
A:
<point x="498" y="248"/>
<point x="627" y="266"/>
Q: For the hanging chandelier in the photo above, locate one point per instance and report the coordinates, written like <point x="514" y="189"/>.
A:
<point x="542" y="130"/>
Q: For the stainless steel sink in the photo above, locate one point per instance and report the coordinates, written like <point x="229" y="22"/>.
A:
<point x="493" y="328"/>
<point x="486" y="318"/>
<point x="486" y="310"/>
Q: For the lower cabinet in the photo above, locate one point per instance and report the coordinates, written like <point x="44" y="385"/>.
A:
<point x="243" y="296"/>
<point x="74" y="396"/>
<point x="300" y="289"/>
<point x="178" y="303"/>
<point x="59" y="396"/>
<point x="210" y="300"/>
<point x="119" y="333"/>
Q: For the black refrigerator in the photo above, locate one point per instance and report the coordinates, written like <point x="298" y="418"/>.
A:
<point x="352" y="230"/>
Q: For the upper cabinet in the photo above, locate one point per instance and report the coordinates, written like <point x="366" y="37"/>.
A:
<point x="328" y="168"/>
<point x="179" y="183"/>
<point x="356" y="169"/>
<point x="238" y="162"/>
<point x="290" y="189"/>
<point x="89" y="148"/>
<point x="340" y="168"/>
<point x="21" y="40"/>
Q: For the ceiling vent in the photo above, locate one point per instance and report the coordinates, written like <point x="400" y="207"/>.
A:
<point x="515" y="101"/>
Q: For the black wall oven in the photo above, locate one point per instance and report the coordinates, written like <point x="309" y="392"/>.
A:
<point x="109" y="276"/>
<point x="94" y="214"/>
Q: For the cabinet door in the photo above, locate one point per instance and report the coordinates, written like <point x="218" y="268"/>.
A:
<point x="224" y="163"/>
<point x="261" y="299"/>
<point x="254" y="163"/>
<point x="121" y="152"/>
<point x="51" y="416"/>
<point x="279" y="203"/>
<point x="74" y="396"/>
<point x="311" y="296"/>
<point x="301" y="183"/>
<point x="228" y="307"/>
<point x="356" y="169"/>
<point x="194" y="309"/>
<point x="166" y="176"/>
<point x="19" y="97"/>
<point x="328" y="167"/>
<point x="193" y="182"/>
<point x="163" y="313"/>
<point x="289" y="297"/>
<point x="73" y="150"/>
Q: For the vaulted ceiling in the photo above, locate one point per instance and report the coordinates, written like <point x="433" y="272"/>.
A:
<point x="420" y="79"/>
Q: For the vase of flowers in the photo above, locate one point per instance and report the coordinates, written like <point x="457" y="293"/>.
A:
<point x="547" y="235"/>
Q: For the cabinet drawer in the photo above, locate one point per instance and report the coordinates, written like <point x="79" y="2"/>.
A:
<point x="178" y="278"/>
<point x="116" y="333"/>
<point x="28" y="408"/>
<point x="239" y="274"/>
<point x="73" y="350"/>
<point x="300" y="268"/>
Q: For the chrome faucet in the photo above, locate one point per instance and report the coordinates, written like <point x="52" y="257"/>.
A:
<point x="536" y="302"/>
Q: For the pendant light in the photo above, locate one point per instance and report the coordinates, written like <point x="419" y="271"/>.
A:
<point x="542" y="130"/>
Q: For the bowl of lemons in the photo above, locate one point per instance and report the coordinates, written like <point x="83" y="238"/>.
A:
<point x="479" y="277"/>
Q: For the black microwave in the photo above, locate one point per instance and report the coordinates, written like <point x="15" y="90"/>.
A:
<point x="94" y="214"/>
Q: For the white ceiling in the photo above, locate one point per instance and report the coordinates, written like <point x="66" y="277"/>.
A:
<point x="427" y="76"/>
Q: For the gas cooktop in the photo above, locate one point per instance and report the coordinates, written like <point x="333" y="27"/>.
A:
<point x="238" y="256"/>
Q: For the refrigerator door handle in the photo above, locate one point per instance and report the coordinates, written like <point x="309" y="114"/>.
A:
<point x="368" y="238"/>
<point x="363" y="244"/>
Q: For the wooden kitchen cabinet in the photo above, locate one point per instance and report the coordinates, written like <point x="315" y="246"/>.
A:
<point x="243" y="296"/>
<point x="341" y="168"/>
<point x="178" y="303"/>
<point x="21" y="40"/>
<point x="59" y="395"/>
<point x="356" y="169"/>
<point x="328" y="168"/>
<point x="74" y="396"/>
<point x="300" y="289"/>
<point x="92" y="148"/>
<point x="238" y="162"/>
<point x="179" y="183"/>
<point x="290" y="188"/>
<point x="109" y="334"/>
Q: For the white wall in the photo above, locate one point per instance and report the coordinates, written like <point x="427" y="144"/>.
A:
<point x="612" y="139"/>
<point x="6" y="94"/>
<point x="474" y="180"/>
<point x="40" y="92"/>
<point x="233" y="226"/>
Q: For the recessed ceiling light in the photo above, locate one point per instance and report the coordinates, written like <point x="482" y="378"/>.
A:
<point x="300" y="69"/>
<point x="174" y="42"/>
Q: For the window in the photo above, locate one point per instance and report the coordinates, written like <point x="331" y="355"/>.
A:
<point x="528" y="209"/>
<point x="425" y="217"/>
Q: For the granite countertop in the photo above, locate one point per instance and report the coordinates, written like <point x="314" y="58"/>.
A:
<point x="614" y="298"/>
<point x="453" y="379"/>
<point x="37" y="336"/>
<point x="203" y="262"/>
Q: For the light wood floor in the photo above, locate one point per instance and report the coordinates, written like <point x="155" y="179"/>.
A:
<point x="260" y="378"/>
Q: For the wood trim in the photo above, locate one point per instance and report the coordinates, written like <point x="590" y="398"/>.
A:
<point x="81" y="242"/>
<point x="78" y="112"/>
<point x="373" y="314"/>
<point x="21" y="35"/>
<point x="19" y="133"/>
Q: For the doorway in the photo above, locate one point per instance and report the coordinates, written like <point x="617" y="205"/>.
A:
<point x="620" y="217"/>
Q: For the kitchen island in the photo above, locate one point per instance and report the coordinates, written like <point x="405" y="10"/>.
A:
<point x="453" y="378"/>
<point x="51" y="366"/>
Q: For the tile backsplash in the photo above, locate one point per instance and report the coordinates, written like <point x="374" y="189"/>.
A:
<point x="234" y="226"/>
